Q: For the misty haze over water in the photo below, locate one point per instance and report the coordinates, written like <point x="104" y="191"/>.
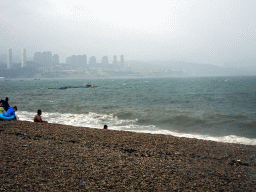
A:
<point x="178" y="34"/>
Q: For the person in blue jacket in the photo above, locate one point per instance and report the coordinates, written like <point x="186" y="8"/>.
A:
<point x="10" y="112"/>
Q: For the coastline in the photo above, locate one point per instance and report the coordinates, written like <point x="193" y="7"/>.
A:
<point x="53" y="157"/>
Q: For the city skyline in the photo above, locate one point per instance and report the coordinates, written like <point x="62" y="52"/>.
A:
<point x="46" y="64"/>
<point x="24" y="55"/>
<point x="47" y="59"/>
<point x="206" y="32"/>
<point x="30" y="55"/>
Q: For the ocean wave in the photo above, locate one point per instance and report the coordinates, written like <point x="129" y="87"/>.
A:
<point x="95" y="120"/>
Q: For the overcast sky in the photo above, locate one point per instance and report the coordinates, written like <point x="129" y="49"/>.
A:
<point x="202" y="31"/>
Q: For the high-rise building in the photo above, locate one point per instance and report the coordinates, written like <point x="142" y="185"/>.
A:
<point x="47" y="58"/>
<point x="55" y="59"/>
<point x="122" y="59"/>
<point x="92" y="60"/>
<point x="114" y="60"/>
<point x="104" y="60"/>
<point x="23" y="58"/>
<point x="68" y="60"/>
<point x="37" y="57"/>
<point x="79" y="62"/>
<point x="84" y="58"/>
<point x="74" y="61"/>
<point x="9" y="58"/>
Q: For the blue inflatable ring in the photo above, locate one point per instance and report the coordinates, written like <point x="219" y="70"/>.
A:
<point x="6" y="118"/>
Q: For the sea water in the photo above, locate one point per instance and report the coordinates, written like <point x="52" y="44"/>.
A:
<point x="221" y="109"/>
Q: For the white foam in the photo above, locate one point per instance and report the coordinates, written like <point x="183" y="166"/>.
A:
<point x="80" y="120"/>
<point x="95" y="120"/>
<point x="223" y="139"/>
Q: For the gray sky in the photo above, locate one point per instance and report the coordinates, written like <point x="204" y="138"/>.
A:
<point x="202" y="31"/>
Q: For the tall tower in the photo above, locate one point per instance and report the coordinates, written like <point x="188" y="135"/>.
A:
<point x="114" y="60"/>
<point x="92" y="60"/>
<point x="79" y="62"/>
<point x="47" y="58"/>
<point x="68" y="60"/>
<point x="38" y="57"/>
<point x="84" y="57"/>
<point x="9" y="58"/>
<point x="55" y="59"/>
<point x="74" y="61"/>
<point x="122" y="59"/>
<point x="23" y="58"/>
<point x="104" y="60"/>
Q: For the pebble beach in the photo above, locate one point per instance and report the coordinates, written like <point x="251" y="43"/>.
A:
<point x="53" y="157"/>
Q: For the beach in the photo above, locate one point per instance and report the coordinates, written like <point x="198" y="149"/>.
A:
<point x="53" y="157"/>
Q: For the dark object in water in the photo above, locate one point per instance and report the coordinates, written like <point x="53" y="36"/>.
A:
<point x="62" y="88"/>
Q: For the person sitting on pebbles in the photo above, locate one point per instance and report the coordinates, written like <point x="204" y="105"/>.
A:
<point x="38" y="117"/>
<point x="105" y="127"/>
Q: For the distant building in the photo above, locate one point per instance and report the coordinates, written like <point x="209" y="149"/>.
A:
<point x="104" y="60"/>
<point x="79" y="62"/>
<point x="68" y="60"/>
<point x="84" y="63"/>
<point x="47" y="58"/>
<point x="114" y="60"/>
<point x="9" y="58"/>
<point x="55" y="59"/>
<point x="73" y="62"/>
<point x="122" y="59"/>
<point x="37" y="57"/>
<point x="92" y="60"/>
<point x="23" y="58"/>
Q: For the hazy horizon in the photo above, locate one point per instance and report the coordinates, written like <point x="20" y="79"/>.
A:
<point x="211" y="32"/>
